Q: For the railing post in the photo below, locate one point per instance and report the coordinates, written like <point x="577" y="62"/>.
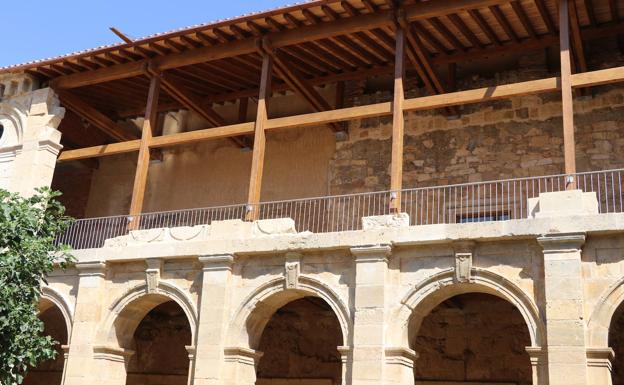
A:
<point x="398" y="122"/>
<point x="140" y="177"/>
<point x="257" y="161"/>
<point x="569" y="150"/>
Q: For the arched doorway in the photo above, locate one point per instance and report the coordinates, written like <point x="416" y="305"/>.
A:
<point x="160" y="345"/>
<point x="471" y="339"/>
<point x="51" y="372"/>
<point x="300" y="345"/>
<point x="616" y="342"/>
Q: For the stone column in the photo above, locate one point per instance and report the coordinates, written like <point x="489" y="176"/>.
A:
<point x="214" y="306"/>
<point x="539" y="365"/>
<point x="400" y="366"/>
<point x="87" y="316"/>
<point x="371" y="266"/>
<point x="241" y="366"/>
<point x="346" y="358"/>
<point x="563" y="295"/>
<point x="599" y="366"/>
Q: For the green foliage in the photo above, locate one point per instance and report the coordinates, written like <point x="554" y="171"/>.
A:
<point x="28" y="228"/>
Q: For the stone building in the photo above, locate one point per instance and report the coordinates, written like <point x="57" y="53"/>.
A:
<point x="336" y="192"/>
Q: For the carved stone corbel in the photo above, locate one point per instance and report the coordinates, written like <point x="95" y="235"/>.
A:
<point x="292" y="270"/>
<point x="152" y="273"/>
<point x="463" y="261"/>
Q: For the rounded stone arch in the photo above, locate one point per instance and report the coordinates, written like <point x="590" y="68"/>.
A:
<point x="602" y="315"/>
<point x="51" y="297"/>
<point x="257" y="308"/>
<point x="13" y="123"/>
<point x="431" y="292"/>
<point x="126" y="312"/>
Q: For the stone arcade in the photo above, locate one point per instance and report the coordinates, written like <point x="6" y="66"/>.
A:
<point x="349" y="192"/>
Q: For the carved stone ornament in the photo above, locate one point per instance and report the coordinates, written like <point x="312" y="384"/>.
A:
<point x="463" y="267"/>
<point x="292" y="269"/>
<point x="152" y="273"/>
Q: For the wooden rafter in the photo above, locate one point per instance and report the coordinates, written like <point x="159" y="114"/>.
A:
<point x="577" y="39"/>
<point x="504" y="23"/>
<point x="298" y="84"/>
<point x="313" y="32"/>
<point x="93" y="116"/>
<point x="545" y="15"/>
<point x="485" y="27"/>
<point x="524" y="19"/>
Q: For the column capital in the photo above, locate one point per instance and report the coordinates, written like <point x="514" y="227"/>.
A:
<point x="371" y="253"/>
<point x="600" y="357"/>
<point x="242" y="355"/>
<point x="115" y="354"/>
<point x="91" y="269"/>
<point x="215" y="262"/>
<point x="401" y="356"/>
<point x="561" y="243"/>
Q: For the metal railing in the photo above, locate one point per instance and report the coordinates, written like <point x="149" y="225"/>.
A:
<point x="461" y="203"/>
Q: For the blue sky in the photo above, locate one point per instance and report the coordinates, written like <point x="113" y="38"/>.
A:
<point x="37" y="29"/>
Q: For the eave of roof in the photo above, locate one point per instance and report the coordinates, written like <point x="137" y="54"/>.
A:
<point x="168" y="35"/>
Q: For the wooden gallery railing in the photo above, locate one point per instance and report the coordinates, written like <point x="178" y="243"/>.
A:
<point x="271" y="61"/>
<point x="462" y="203"/>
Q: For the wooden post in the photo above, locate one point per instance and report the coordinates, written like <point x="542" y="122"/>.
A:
<point x="569" y="151"/>
<point x="257" y="160"/>
<point x="140" y="177"/>
<point x="398" y="123"/>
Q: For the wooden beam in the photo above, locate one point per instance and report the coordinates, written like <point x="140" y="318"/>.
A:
<point x="398" y="122"/>
<point x="257" y="159"/>
<point x="95" y="117"/>
<point x="532" y="87"/>
<point x="140" y="177"/>
<point x="569" y="149"/>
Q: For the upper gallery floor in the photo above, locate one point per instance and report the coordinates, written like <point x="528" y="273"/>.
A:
<point x="330" y="111"/>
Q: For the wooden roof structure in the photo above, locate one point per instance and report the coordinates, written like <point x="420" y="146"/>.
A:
<point x="314" y="43"/>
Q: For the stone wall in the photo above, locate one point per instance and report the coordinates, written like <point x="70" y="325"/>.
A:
<point x="474" y="338"/>
<point x="300" y="342"/>
<point x="510" y="138"/>
<point x="51" y="372"/>
<point x="160" y="356"/>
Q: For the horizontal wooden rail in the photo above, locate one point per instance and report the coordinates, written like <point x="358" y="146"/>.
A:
<point x="586" y="79"/>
